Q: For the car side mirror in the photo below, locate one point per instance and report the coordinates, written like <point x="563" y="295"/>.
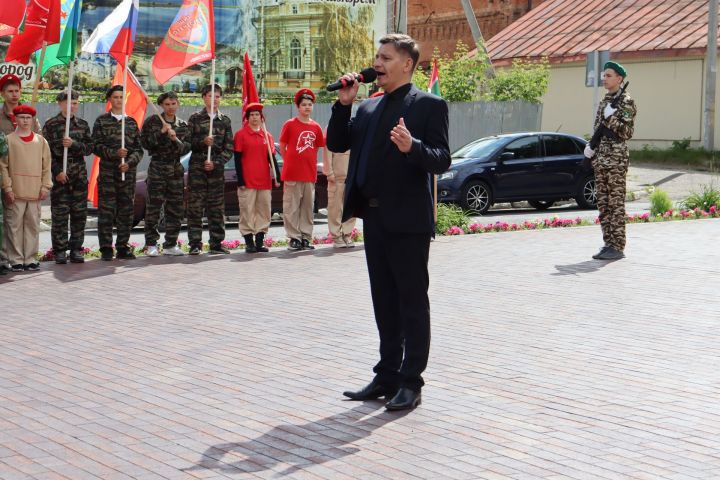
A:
<point x="507" y="156"/>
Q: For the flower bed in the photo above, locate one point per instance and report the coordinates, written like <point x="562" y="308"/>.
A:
<point x="474" y="228"/>
<point x="269" y="242"/>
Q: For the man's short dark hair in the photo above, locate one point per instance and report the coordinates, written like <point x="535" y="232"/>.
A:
<point x="113" y="89"/>
<point x="62" y="96"/>
<point x="164" y="96"/>
<point x="403" y="43"/>
<point x="206" y="89"/>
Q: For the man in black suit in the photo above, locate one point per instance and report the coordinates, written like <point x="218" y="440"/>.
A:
<point x="397" y="142"/>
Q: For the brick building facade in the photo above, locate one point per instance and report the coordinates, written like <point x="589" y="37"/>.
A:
<point x="441" y="23"/>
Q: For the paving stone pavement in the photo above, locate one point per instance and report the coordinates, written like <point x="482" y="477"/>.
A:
<point x="545" y="364"/>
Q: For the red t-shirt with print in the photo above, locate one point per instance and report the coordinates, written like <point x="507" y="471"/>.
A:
<point x="303" y="141"/>
<point x="255" y="166"/>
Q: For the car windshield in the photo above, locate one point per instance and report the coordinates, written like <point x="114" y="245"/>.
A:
<point x="477" y="149"/>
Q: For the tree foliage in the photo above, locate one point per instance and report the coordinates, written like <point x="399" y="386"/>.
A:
<point x="525" y="80"/>
<point x="465" y="77"/>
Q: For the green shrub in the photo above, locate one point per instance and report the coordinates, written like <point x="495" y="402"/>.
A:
<point x="660" y="202"/>
<point x="450" y="216"/>
<point x="709" y="197"/>
<point x="681" y="145"/>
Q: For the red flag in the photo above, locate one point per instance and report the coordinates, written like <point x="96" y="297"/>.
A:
<point x="249" y="90"/>
<point x="190" y="40"/>
<point x="42" y="24"/>
<point x="135" y="106"/>
<point x="11" y="17"/>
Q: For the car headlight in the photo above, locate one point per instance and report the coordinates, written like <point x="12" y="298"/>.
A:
<point x="448" y="175"/>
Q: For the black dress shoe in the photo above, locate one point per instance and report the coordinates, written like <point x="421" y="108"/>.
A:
<point x="372" y="391"/>
<point x="406" y="399"/>
<point x="602" y="251"/>
<point x="61" y="258"/>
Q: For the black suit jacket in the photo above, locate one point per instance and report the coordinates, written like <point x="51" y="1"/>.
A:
<point x="406" y="197"/>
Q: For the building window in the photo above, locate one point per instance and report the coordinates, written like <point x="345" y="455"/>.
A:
<point x="295" y="54"/>
<point x="294" y="9"/>
<point x="273" y="67"/>
<point x="316" y="54"/>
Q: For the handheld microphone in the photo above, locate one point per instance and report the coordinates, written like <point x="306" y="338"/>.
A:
<point x="366" y="76"/>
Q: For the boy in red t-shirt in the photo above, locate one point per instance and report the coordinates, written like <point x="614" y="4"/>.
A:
<point x="252" y="165"/>
<point x="300" y="140"/>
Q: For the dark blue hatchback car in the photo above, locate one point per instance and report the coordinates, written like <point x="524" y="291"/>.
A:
<point x="541" y="168"/>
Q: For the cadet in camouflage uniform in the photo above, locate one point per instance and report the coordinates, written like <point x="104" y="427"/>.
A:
<point x="68" y="197"/>
<point x="3" y="153"/>
<point x="115" y="196"/>
<point x="610" y="161"/>
<point x="166" y="141"/>
<point x="206" y="180"/>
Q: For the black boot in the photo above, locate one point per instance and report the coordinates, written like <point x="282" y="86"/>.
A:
<point x="260" y="242"/>
<point x="249" y="243"/>
<point x="76" y="256"/>
<point x="106" y="253"/>
<point x="61" y="257"/>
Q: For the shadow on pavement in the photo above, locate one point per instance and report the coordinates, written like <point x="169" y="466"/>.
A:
<point x="316" y="442"/>
<point x="589" y="266"/>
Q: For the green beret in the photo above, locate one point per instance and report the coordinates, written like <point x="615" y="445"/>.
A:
<point x="619" y="69"/>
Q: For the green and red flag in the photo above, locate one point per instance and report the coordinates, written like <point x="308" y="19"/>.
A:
<point x="190" y="40"/>
<point x="42" y="24"/>
<point x="64" y="52"/>
<point x="434" y="85"/>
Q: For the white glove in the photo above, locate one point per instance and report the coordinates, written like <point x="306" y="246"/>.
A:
<point x="609" y="111"/>
<point x="588" y="152"/>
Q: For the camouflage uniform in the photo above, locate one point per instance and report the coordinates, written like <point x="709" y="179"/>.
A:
<point x="115" y="197"/>
<point x="69" y="199"/>
<point x="207" y="189"/>
<point x="165" y="180"/>
<point x="611" y="164"/>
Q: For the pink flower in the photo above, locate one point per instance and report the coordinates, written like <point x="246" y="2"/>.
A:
<point x="180" y="242"/>
<point x="268" y="241"/>
<point x="475" y="227"/>
<point x="713" y="209"/>
<point x="455" y="230"/>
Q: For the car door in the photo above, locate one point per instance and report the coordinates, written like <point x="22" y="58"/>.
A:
<point x="560" y="164"/>
<point x="231" y="199"/>
<point x="519" y="165"/>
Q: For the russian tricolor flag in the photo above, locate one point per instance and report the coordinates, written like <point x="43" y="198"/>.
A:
<point x="116" y="34"/>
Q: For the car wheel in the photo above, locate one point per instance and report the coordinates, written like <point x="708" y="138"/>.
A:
<point x="476" y="197"/>
<point x="587" y="193"/>
<point x="541" y="204"/>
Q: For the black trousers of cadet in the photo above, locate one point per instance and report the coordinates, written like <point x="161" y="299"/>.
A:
<point x="397" y="265"/>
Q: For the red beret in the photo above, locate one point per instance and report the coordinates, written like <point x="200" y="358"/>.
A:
<point x="254" y="107"/>
<point x="24" y="110"/>
<point x="9" y="78"/>
<point x="304" y="91"/>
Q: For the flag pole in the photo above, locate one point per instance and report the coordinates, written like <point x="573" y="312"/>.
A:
<point x="38" y="74"/>
<point x="71" y="72"/>
<point x="273" y="167"/>
<point x="212" y="107"/>
<point x="122" y="127"/>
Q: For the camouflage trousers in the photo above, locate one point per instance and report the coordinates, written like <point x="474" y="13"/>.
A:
<point x="115" y="206"/>
<point x="611" y="184"/>
<point x="206" y="194"/>
<point x="69" y="201"/>
<point x="165" y="186"/>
